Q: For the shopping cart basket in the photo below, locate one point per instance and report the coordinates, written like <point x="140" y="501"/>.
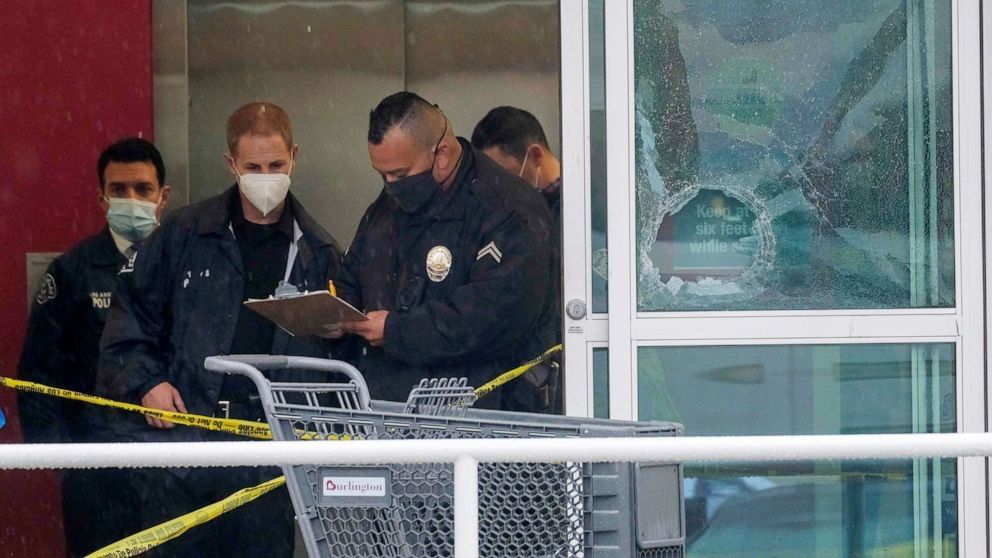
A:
<point x="526" y="510"/>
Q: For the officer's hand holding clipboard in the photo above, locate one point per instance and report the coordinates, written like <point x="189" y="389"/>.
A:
<point x="318" y="313"/>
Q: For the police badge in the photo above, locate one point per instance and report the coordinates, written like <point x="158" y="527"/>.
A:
<point x="47" y="290"/>
<point x="438" y="263"/>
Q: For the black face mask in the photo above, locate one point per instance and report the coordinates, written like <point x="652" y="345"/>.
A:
<point x="413" y="193"/>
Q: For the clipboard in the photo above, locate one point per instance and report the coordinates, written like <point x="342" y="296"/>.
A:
<point x="306" y="313"/>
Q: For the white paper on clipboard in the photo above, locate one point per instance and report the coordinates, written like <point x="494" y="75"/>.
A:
<point x="308" y="313"/>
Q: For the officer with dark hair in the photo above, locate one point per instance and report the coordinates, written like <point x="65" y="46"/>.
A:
<point x="63" y="337"/>
<point x="452" y="262"/>
<point x="515" y="139"/>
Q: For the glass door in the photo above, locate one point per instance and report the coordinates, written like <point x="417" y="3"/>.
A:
<point x="788" y="188"/>
<point x="585" y="324"/>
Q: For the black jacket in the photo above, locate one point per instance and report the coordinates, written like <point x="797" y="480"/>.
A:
<point x="491" y="311"/>
<point x="179" y="304"/>
<point x="63" y="337"/>
<point x="552" y="195"/>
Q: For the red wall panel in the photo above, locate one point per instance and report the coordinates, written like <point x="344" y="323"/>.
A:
<point x="75" y="75"/>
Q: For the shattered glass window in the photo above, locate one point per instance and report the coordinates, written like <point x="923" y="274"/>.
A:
<point x="793" y="155"/>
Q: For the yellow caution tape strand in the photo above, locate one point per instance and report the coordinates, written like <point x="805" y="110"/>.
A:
<point x="163" y="532"/>
<point x="248" y="428"/>
<point x="511" y="375"/>
<point x="238" y="427"/>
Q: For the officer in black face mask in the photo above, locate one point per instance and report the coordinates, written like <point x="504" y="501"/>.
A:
<point x="452" y="262"/>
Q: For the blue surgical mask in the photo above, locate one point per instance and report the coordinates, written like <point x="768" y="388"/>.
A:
<point x="132" y="219"/>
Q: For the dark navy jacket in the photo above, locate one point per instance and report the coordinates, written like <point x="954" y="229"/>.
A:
<point x="179" y="304"/>
<point x="492" y="310"/>
<point x="63" y="337"/>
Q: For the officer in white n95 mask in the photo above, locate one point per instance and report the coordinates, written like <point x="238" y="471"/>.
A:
<point x="183" y="301"/>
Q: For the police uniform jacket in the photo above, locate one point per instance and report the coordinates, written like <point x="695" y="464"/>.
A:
<point x="467" y="281"/>
<point x="179" y="304"/>
<point x="63" y="337"/>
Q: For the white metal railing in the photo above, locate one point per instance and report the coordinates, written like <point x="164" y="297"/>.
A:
<point x="466" y="454"/>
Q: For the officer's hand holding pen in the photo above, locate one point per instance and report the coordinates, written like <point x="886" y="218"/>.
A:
<point x="163" y="397"/>
<point x="333" y="331"/>
<point x="372" y="329"/>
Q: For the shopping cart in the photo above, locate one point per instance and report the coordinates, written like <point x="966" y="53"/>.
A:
<point x="526" y="510"/>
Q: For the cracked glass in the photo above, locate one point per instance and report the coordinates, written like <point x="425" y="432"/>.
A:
<point x="793" y="155"/>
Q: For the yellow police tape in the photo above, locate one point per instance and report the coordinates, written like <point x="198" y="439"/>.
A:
<point x="516" y="372"/>
<point x="238" y="427"/>
<point x="154" y="536"/>
<point x="247" y="428"/>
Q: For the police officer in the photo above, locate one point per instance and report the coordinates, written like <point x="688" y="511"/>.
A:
<point x="181" y="302"/>
<point x="452" y="262"/>
<point x="515" y="139"/>
<point x="62" y="342"/>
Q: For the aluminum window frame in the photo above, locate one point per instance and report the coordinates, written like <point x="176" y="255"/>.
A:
<point x="963" y="325"/>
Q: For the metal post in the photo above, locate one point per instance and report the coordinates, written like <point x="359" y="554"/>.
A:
<point x="466" y="507"/>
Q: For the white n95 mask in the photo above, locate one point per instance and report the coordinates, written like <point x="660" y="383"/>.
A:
<point x="264" y="191"/>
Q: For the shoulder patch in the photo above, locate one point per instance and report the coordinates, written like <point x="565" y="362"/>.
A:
<point x="46" y="290"/>
<point x="490" y="250"/>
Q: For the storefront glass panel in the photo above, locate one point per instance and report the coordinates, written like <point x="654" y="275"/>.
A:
<point x="793" y="155"/>
<point x="823" y="508"/>
<point x="597" y="154"/>
<point x="601" y="382"/>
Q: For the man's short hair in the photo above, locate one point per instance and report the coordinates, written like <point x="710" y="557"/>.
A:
<point x="258" y="119"/>
<point x="511" y="129"/>
<point x="132" y="150"/>
<point x="409" y="111"/>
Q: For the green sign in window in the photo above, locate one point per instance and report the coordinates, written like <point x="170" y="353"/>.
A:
<point x="713" y="235"/>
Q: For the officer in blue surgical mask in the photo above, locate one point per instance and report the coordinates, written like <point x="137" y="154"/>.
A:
<point x="61" y="347"/>
<point x="133" y="198"/>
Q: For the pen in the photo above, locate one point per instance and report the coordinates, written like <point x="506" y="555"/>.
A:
<point x="332" y="288"/>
